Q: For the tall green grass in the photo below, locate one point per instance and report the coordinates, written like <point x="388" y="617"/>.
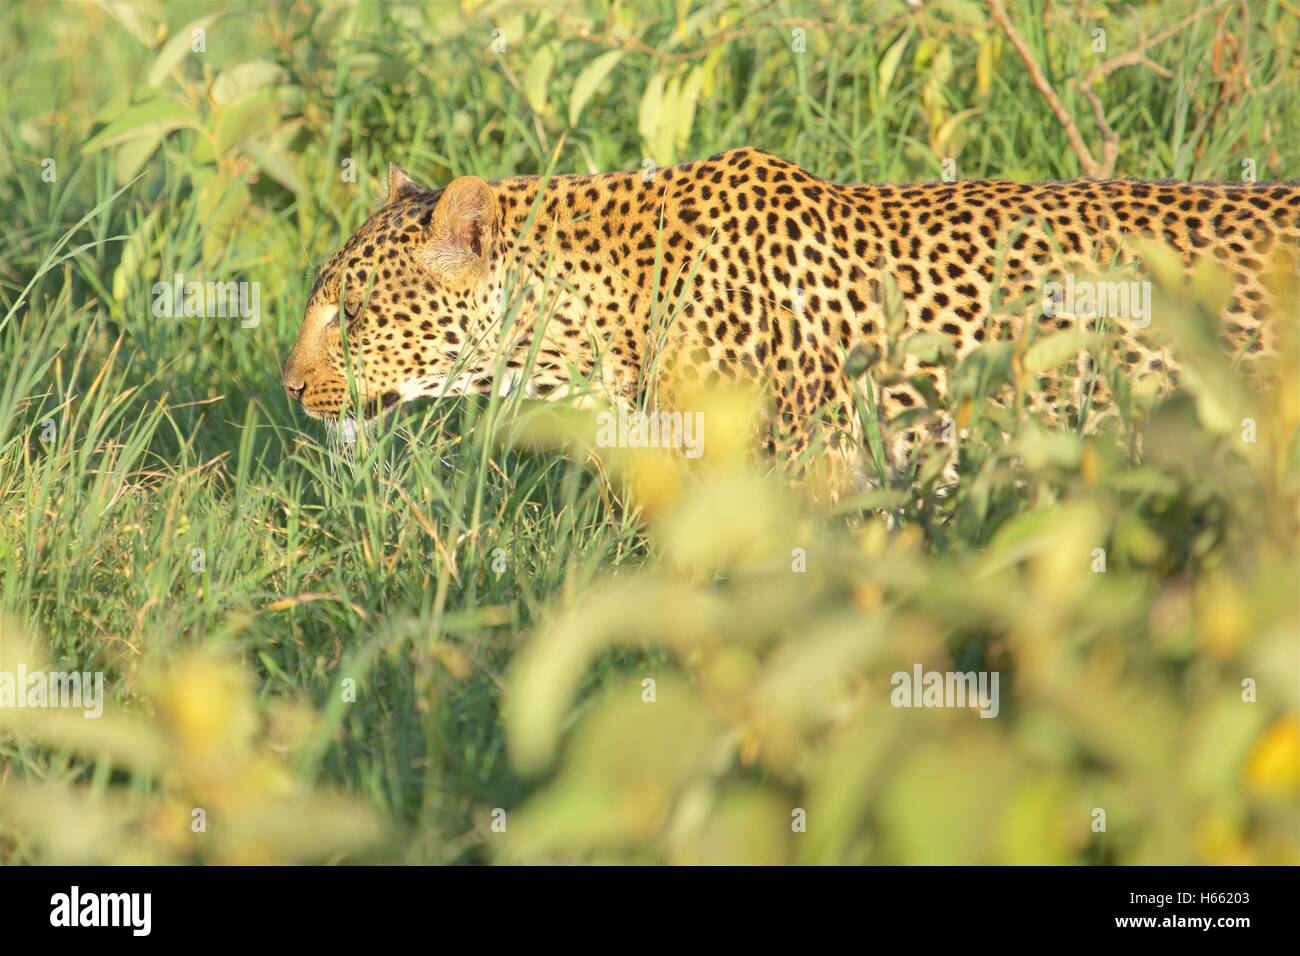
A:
<point x="160" y="495"/>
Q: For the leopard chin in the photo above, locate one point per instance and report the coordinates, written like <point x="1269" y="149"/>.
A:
<point x="372" y="409"/>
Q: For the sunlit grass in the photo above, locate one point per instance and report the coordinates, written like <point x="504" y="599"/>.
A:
<point x="163" y="504"/>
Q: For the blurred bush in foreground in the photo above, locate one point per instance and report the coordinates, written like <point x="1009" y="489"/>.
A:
<point x="1142" y="619"/>
<point x="198" y="774"/>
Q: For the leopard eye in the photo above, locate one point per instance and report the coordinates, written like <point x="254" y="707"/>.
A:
<point x="348" y="310"/>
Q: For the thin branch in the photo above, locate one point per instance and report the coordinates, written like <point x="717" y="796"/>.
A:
<point x="1109" y="138"/>
<point x="1105" y="167"/>
<point x="1138" y="55"/>
<point x="1072" y="135"/>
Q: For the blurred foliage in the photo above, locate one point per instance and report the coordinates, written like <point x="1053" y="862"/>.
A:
<point x="455" y="576"/>
<point x="200" y="774"/>
<point x="1142" y="618"/>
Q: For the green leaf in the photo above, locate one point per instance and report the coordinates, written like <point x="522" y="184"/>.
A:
<point x="951" y="127"/>
<point x="177" y="49"/>
<point x="273" y="159"/>
<point x="132" y="155"/>
<point x="1219" y="404"/>
<point x="536" y="79"/>
<point x="252" y="115"/>
<point x="590" y="78"/>
<point x="155" y="118"/>
<point x="981" y="372"/>
<point x="1041" y="449"/>
<point x="889" y="62"/>
<point x="1054" y="350"/>
<point x="246" y="78"/>
<point x="966" y="11"/>
<point x="860" y="359"/>
<point x="929" y="394"/>
<point x="929" y="346"/>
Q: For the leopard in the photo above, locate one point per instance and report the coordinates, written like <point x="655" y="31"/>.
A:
<point x="641" y="287"/>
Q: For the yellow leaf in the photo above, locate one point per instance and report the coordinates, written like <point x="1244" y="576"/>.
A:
<point x="648" y="118"/>
<point x="536" y="79"/>
<point x="588" y="80"/>
<point x="984" y="68"/>
<point x="889" y="62"/>
<point x="1273" y="766"/>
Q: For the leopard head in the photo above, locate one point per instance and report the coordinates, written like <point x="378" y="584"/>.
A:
<point x="405" y="306"/>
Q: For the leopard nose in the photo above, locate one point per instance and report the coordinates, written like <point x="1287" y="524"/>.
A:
<point x="294" y="381"/>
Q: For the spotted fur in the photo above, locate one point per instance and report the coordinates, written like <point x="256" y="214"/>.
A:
<point x="745" y="267"/>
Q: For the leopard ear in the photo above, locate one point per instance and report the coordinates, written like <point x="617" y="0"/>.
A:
<point x="464" y="227"/>
<point x="400" y="185"/>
